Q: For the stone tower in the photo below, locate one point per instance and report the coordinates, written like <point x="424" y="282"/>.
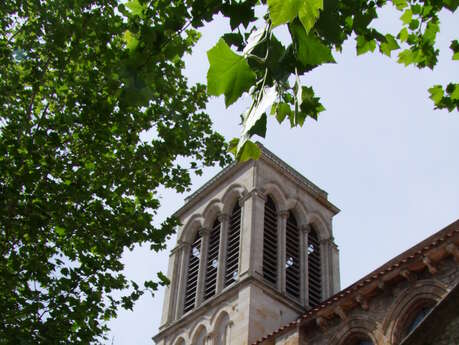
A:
<point x="255" y="251"/>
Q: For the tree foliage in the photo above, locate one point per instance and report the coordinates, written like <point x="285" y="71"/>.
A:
<point x="318" y="28"/>
<point x="81" y="84"/>
<point x="95" y="114"/>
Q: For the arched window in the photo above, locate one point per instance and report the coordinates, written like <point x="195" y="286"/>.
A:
<point x="358" y="339"/>
<point x="200" y="337"/>
<point x="222" y="330"/>
<point x="212" y="261"/>
<point x="232" y="249"/>
<point x="192" y="276"/>
<point x="414" y="318"/>
<point x="270" y="242"/>
<point x="292" y="257"/>
<point x="314" y="269"/>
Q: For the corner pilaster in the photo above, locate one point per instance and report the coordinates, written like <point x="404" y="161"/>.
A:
<point x="251" y="259"/>
<point x="184" y="249"/>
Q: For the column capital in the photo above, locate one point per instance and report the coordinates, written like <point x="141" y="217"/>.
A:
<point x="223" y="217"/>
<point x="284" y="214"/>
<point x="203" y="232"/>
<point x="325" y="241"/>
<point x="305" y="228"/>
<point x="182" y="244"/>
<point x="256" y="192"/>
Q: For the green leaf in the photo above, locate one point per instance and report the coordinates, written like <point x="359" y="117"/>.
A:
<point x="131" y="40"/>
<point x="282" y="111"/>
<point x="60" y="231"/>
<point x="455" y="93"/>
<point x="430" y="32"/>
<point x="310" y="51"/>
<point x="249" y="151"/>
<point x="229" y="73"/>
<point x="364" y="45"/>
<point x="232" y="146"/>
<point x="407" y="57"/>
<point x="403" y="35"/>
<point x="436" y="94"/>
<point x="454" y="46"/>
<point x="310" y="105"/>
<point x="136" y="7"/>
<point x="406" y="17"/>
<point x="400" y="4"/>
<point x="260" y="127"/>
<point x="284" y="11"/>
<point x="309" y="13"/>
<point x="389" y="45"/>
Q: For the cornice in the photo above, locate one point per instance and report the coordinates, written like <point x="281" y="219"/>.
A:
<point x="270" y="158"/>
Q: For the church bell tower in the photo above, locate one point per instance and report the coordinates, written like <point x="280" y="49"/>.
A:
<point x="255" y="251"/>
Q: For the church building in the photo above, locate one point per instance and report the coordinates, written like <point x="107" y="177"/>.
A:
<point x="256" y="263"/>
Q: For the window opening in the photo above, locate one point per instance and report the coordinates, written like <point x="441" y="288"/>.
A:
<point x="192" y="275"/>
<point x="292" y="262"/>
<point x="212" y="261"/>
<point x="232" y="250"/>
<point x="314" y="269"/>
<point x="270" y="242"/>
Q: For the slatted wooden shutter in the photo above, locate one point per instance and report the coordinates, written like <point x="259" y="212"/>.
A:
<point x="212" y="261"/>
<point x="232" y="251"/>
<point x="292" y="257"/>
<point x="270" y="243"/>
<point x="315" y="275"/>
<point x="192" y="275"/>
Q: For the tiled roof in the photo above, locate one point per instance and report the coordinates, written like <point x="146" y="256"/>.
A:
<point x="412" y="254"/>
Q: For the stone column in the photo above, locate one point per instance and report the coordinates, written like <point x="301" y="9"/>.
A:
<point x="324" y="257"/>
<point x="204" y="233"/>
<point x="224" y="224"/>
<point x="184" y="248"/>
<point x="281" y="250"/>
<point x="304" y="267"/>
<point x="251" y="258"/>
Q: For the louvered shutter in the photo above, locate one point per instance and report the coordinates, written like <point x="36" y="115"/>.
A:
<point x="314" y="267"/>
<point x="232" y="251"/>
<point x="212" y="261"/>
<point x="192" y="276"/>
<point x="270" y="243"/>
<point x="292" y="257"/>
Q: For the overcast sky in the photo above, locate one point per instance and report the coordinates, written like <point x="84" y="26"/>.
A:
<point x="386" y="158"/>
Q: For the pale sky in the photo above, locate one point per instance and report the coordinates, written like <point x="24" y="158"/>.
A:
<point x="387" y="159"/>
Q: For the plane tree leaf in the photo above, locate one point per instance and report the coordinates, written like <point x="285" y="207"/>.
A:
<point x="229" y="73"/>
<point x="284" y="11"/>
<point x="310" y="50"/>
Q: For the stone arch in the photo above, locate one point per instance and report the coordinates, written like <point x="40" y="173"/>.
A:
<point x="194" y="223"/>
<point x="212" y="210"/>
<point x="199" y="335"/>
<point x="275" y="191"/>
<point x="231" y="197"/>
<point x="222" y="329"/>
<point x="178" y="341"/>
<point x="298" y="210"/>
<point x="423" y="292"/>
<point x="358" y="325"/>
<point x="319" y="224"/>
